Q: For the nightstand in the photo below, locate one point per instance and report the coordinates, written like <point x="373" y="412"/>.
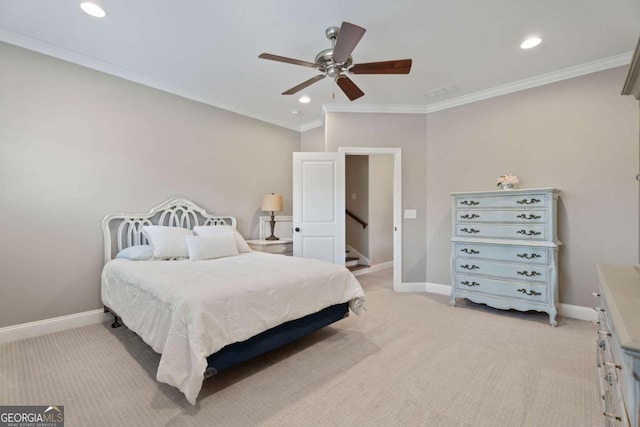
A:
<point x="283" y="246"/>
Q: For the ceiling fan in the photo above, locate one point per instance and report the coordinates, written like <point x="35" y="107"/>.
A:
<point x="336" y="61"/>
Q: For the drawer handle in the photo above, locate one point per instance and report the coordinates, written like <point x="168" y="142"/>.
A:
<point x="469" y="230"/>
<point x="469" y="216"/>
<point x="597" y="308"/>
<point x="602" y="345"/>
<point x="610" y="415"/>
<point x="466" y="283"/>
<point x="530" y="293"/>
<point x="601" y="332"/>
<point x="531" y="216"/>
<point x="609" y="378"/>
<point x="470" y="267"/>
<point x="469" y="251"/>
<point x="529" y="256"/>
<point x="595" y="294"/>
<point x="529" y="233"/>
<point x="469" y="203"/>
<point x="526" y="273"/>
<point x="532" y="201"/>
<point x="615" y="365"/>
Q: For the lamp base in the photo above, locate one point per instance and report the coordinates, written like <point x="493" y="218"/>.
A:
<point x="272" y="223"/>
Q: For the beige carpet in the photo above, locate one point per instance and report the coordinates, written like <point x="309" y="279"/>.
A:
<point x="410" y="360"/>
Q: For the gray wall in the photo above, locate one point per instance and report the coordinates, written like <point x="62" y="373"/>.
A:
<point x="380" y="209"/>
<point x="312" y="140"/>
<point x="578" y="135"/>
<point x="357" y="183"/>
<point x="76" y="144"/>
<point x="406" y="131"/>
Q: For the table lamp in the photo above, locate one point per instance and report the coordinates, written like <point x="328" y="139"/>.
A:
<point x="272" y="203"/>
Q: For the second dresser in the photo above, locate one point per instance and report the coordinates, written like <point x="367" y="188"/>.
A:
<point x="504" y="250"/>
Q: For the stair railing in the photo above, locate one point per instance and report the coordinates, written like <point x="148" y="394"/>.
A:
<point x="356" y="218"/>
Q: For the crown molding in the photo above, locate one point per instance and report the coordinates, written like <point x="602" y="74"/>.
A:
<point x="312" y="125"/>
<point x="372" y="108"/>
<point x="49" y="49"/>
<point x="541" y="80"/>
<point x="108" y="68"/>
<point x="632" y="83"/>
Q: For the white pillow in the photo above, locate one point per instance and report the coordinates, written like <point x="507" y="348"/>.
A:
<point x="216" y="230"/>
<point x="210" y="247"/>
<point x="136" y="253"/>
<point x="167" y="242"/>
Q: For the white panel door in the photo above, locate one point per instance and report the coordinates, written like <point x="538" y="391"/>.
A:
<point x="318" y="206"/>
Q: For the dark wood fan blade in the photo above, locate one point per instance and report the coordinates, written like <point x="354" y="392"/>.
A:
<point x="348" y="38"/>
<point x="400" y="66"/>
<point x="349" y="88"/>
<point x="304" y="84"/>
<point x="287" y="60"/>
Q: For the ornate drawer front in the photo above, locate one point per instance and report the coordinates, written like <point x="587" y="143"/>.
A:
<point x="531" y="255"/>
<point x="521" y="272"/>
<point x="520" y="291"/>
<point x="519" y="232"/>
<point x="609" y="388"/>
<point x="516" y="216"/>
<point x="506" y="201"/>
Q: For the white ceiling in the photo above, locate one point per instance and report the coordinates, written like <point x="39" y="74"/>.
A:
<point x="208" y="50"/>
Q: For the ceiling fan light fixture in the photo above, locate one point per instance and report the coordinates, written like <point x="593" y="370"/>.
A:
<point x="304" y="99"/>
<point x="93" y="9"/>
<point x="530" y="42"/>
<point x="336" y="61"/>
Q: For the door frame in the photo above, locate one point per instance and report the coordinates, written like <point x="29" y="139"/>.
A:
<point x="397" y="201"/>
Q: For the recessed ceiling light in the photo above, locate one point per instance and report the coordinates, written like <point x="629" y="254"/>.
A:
<point x="93" y="9"/>
<point x="531" y="42"/>
<point x="295" y="112"/>
<point x="304" y="99"/>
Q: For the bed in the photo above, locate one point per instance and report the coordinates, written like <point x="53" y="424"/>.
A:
<point x="208" y="315"/>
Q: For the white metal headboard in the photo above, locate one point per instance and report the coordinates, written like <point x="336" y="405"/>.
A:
<point x="176" y="212"/>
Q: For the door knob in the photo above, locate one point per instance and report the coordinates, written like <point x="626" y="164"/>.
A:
<point x="297" y="229"/>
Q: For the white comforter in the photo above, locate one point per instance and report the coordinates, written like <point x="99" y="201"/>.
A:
<point x="189" y="310"/>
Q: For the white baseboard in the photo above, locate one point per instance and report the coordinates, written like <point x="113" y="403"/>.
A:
<point x="381" y="266"/>
<point x="577" y="312"/>
<point x="374" y="268"/>
<point x="433" y="288"/>
<point x="48" y="326"/>
<point x="436" y="288"/>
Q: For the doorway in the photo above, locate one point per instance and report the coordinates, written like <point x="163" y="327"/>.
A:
<point x="383" y="239"/>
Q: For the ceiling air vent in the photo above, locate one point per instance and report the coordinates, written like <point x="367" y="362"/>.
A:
<point x="437" y="93"/>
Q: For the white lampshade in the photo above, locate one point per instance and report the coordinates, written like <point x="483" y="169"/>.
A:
<point x="271" y="202"/>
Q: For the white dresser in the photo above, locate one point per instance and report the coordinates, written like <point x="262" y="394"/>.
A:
<point x="504" y="250"/>
<point x="618" y="343"/>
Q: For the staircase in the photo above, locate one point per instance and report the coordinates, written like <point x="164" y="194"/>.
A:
<point x="353" y="263"/>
